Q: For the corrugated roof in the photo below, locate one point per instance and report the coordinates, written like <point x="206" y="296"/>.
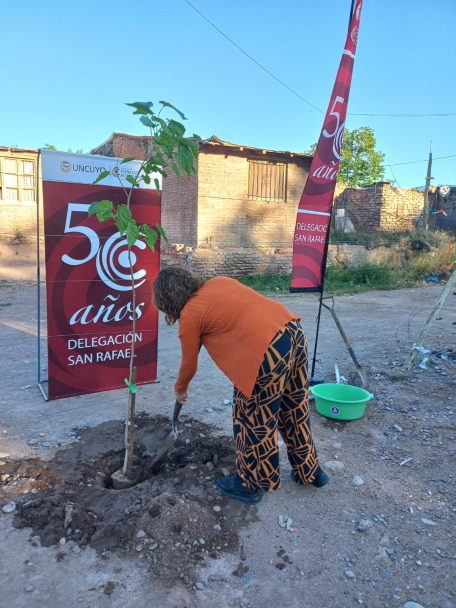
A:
<point x="14" y="149"/>
<point x="216" y="141"/>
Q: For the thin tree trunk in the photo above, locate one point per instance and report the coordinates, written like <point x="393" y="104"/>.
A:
<point x="130" y="417"/>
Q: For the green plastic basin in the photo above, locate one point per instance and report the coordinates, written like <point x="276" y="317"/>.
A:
<point x="340" y="400"/>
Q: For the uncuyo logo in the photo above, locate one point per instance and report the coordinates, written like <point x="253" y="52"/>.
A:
<point x="65" y="166"/>
<point x="106" y="268"/>
<point x="109" y="257"/>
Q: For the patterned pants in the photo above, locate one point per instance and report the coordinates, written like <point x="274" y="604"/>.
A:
<point x="279" y="401"/>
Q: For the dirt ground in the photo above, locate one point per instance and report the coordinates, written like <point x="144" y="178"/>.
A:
<point x="395" y="533"/>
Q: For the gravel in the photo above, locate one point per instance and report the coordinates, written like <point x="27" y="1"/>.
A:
<point x="9" y="507"/>
<point x="357" y="481"/>
<point x="199" y="586"/>
<point x="349" y="574"/>
<point x="334" y="465"/>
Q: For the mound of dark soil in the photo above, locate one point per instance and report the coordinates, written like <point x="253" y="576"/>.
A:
<point x="174" y="517"/>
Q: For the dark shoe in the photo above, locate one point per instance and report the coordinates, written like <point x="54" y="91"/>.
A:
<point x="321" y="479"/>
<point x="233" y="488"/>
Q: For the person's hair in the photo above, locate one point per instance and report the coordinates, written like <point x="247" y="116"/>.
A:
<point x="173" y="288"/>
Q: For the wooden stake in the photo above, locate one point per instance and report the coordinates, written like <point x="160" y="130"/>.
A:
<point x="131" y="429"/>
<point x="430" y="320"/>
<point x="426" y="191"/>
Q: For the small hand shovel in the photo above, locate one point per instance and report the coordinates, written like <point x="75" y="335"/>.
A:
<point x="172" y="437"/>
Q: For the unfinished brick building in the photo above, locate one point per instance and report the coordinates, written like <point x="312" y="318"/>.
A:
<point x="379" y="207"/>
<point x="236" y="215"/>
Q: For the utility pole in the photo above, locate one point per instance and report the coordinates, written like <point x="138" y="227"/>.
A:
<point x="426" y="190"/>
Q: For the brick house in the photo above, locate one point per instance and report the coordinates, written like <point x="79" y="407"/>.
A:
<point x="236" y="215"/>
<point x="18" y="168"/>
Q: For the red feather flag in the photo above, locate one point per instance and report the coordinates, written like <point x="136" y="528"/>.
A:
<point x="314" y="212"/>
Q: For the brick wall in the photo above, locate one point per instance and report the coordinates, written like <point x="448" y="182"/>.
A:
<point x="229" y="261"/>
<point x="381" y="207"/>
<point x="227" y="216"/>
<point x="180" y="207"/>
<point x="128" y="145"/>
<point x="235" y="235"/>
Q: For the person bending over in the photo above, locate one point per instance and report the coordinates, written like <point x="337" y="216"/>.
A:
<point x="261" y="347"/>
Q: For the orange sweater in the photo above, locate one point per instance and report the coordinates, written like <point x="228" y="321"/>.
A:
<point x="236" y="326"/>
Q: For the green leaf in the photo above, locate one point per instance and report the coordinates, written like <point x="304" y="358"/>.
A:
<point x="146" y="179"/>
<point x="127" y="160"/>
<point x="153" y="164"/>
<point x="176" y="169"/>
<point x="176" y="128"/>
<point x="160" y="121"/>
<point x="184" y="158"/>
<point x="147" y="121"/>
<point x="104" y="210"/>
<point x="102" y="175"/>
<point x="142" y="107"/>
<point x="157" y="185"/>
<point x="131" y="180"/>
<point x="162" y="232"/>
<point x="123" y="218"/>
<point x="194" y="148"/>
<point x="198" y="138"/>
<point x="164" y="138"/>
<point x="158" y="170"/>
<point x="93" y="209"/>
<point x="157" y="160"/>
<point x="165" y="104"/>
<point x="132" y="232"/>
<point x="150" y="236"/>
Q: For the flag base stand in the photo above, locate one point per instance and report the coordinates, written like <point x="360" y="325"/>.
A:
<point x="316" y="379"/>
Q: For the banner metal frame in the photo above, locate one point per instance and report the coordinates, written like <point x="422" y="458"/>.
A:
<point x="40" y="381"/>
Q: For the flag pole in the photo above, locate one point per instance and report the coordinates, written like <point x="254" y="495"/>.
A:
<point x="319" y="379"/>
<point x="351" y="12"/>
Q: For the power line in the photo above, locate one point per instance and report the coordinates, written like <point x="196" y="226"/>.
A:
<point x="294" y="92"/>
<point x="395" y="179"/>
<point x="254" y="60"/>
<point x="412" y="162"/>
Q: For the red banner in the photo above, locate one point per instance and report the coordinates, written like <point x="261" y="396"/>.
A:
<point x="314" y="212"/>
<point x="88" y="285"/>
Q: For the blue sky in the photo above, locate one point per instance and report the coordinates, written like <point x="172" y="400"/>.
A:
<point x="73" y="64"/>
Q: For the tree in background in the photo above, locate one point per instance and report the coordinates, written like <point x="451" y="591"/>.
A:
<point x="360" y="163"/>
<point x="51" y="147"/>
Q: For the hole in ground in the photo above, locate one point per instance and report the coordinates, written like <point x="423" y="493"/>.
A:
<point x="167" y="518"/>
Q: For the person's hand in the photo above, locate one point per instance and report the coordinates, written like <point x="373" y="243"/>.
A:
<point x="181" y="397"/>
